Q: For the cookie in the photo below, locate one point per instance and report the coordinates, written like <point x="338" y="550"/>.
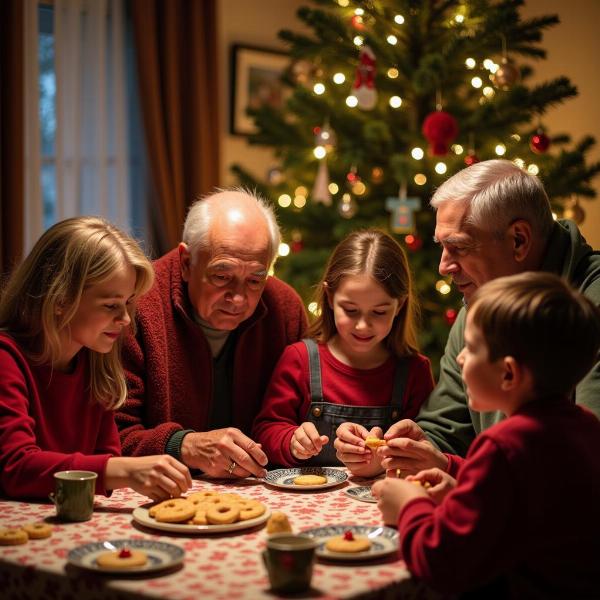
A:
<point x="348" y="543"/>
<point x="310" y="480"/>
<point x="251" y="509"/>
<point x="278" y="523"/>
<point x="38" y="531"/>
<point x="223" y="514"/>
<point x="13" y="537"/>
<point x="176" y="510"/>
<point x="122" y="559"/>
<point x="374" y="442"/>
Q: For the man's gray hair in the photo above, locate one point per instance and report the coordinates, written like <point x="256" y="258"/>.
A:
<point x="196" y="229"/>
<point x="498" y="193"/>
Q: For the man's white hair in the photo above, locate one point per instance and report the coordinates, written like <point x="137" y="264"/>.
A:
<point x="498" y="193"/>
<point x="198" y="222"/>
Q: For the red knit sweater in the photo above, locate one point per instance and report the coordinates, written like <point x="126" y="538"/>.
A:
<point x="288" y="397"/>
<point x="49" y="423"/>
<point x="525" y="509"/>
<point x="169" y="363"/>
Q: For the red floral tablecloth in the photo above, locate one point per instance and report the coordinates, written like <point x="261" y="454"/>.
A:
<point x="226" y="566"/>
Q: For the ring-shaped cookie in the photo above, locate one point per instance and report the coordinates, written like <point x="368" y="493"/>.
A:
<point x="223" y="514"/>
<point x="38" y="531"/>
<point x="175" y="511"/>
<point x="13" y="537"/>
<point x="251" y="509"/>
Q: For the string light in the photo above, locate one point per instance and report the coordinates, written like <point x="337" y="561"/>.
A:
<point x="319" y="152"/>
<point x="339" y="78"/>
<point x="516" y="137"/>
<point x="471" y="63"/>
<point x="358" y="40"/>
<point x="333" y="188"/>
<point x="533" y="169"/>
<point x="283" y="249"/>
<point x="488" y="91"/>
<point x="393" y="73"/>
<point x="519" y="162"/>
<point x="420" y="179"/>
<point x="417" y="153"/>
<point x="313" y="309"/>
<point x="457" y="149"/>
<point x="399" y="19"/>
<point x="300" y="201"/>
<point x="284" y="200"/>
<point x="494" y="68"/>
<point x="440" y="168"/>
<point x="442" y="287"/>
<point x="359" y="12"/>
<point x="459" y="18"/>
<point x="500" y="149"/>
<point x="352" y="101"/>
<point x="319" y="89"/>
<point x="395" y="102"/>
<point x="343" y="3"/>
<point x="392" y="40"/>
<point x="488" y="63"/>
<point x="476" y="82"/>
<point x="359" y="188"/>
<point x="301" y="191"/>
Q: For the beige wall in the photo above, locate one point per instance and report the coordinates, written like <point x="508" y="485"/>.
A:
<point x="573" y="50"/>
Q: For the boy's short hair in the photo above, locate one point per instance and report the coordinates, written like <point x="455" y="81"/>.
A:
<point x="543" y="323"/>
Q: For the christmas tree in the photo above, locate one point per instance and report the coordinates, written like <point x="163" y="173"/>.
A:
<point x="388" y="98"/>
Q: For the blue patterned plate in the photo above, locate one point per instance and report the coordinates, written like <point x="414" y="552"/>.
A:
<point x="160" y="555"/>
<point x="361" y="492"/>
<point x="384" y="540"/>
<point x="284" y="478"/>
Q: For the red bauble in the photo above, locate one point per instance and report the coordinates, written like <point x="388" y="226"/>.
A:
<point x="539" y="143"/>
<point x="413" y="242"/>
<point x="471" y="159"/>
<point x="439" y="128"/>
<point x="450" y="316"/>
<point x="296" y="246"/>
<point x="357" y="22"/>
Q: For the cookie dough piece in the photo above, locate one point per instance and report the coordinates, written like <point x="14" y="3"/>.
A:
<point x="348" y="543"/>
<point x="374" y="442"/>
<point x="38" y="531"/>
<point x="278" y="523"/>
<point x="310" y="480"/>
<point x="122" y="559"/>
<point x="13" y="537"/>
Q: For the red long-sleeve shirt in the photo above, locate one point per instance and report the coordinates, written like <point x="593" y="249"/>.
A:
<point x="287" y="400"/>
<point x="49" y="423"/>
<point x="525" y="509"/>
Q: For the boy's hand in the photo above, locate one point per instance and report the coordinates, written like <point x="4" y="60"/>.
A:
<point x="352" y="451"/>
<point x="441" y="483"/>
<point x="392" y="494"/>
<point x="307" y="442"/>
<point x="409" y="450"/>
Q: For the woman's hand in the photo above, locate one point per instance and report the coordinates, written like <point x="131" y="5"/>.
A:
<point x="307" y="441"/>
<point x="351" y="449"/>
<point x="159" y="477"/>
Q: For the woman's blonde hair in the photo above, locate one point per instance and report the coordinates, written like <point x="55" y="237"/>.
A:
<point x="44" y="292"/>
<point x="374" y="253"/>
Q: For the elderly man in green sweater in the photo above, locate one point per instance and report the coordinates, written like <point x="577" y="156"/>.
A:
<point x="493" y="219"/>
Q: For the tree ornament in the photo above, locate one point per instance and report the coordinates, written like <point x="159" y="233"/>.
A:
<point x="320" y="191"/>
<point x="471" y="158"/>
<point x="413" y="242"/>
<point x="347" y="206"/>
<point x="325" y="136"/>
<point x="363" y="87"/>
<point x="377" y="175"/>
<point x="303" y="72"/>
<point x="574" y="212"/>
<point x="402" y="209"/>
<point x="450" y="316"/>
<point x="539" y="142"/>
<point x="358" y="22"/>
<point x="439" y="128"/>
<point x="275" y="176"/>
<point x="297" y="244"/>
<point x="507" y="74"/>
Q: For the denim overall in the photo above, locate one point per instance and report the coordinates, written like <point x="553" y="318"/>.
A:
<point x="327" y="416"/>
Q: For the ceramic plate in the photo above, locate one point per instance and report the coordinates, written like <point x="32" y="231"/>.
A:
<point x="140" y="514"/>
<point x="160" y="555"/>
<point x="384" y="540"/>
<point x="284" y="478"/>
<point x="362" y="493"/>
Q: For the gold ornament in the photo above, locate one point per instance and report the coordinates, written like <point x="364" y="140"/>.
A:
<point x="507" y="74"/>
<point x="574" y="212"/>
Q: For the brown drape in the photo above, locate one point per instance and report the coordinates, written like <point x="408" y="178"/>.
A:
<point x="176" y="51"/>
<point x="12" y="187"/>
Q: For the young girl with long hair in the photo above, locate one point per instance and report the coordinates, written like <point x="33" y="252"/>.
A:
<point x="359" y="371"/>
<point x="62" y="315"/>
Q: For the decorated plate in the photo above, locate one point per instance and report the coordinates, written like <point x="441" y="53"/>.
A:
<point x="384" y="540"/>
<point x="141" y="516"/>
<point x="284" y="478"/>
<point x="361" y="492"/>
<point x="161" y="555"/>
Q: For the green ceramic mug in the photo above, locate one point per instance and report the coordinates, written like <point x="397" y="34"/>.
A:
<point x="289" y="560"/>
<point x="74" y="495"/>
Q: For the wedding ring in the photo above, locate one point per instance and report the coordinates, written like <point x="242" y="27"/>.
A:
<point x="231" y="467"/>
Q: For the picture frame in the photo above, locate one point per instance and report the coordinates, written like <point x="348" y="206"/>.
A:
<point x="255" y="80"/>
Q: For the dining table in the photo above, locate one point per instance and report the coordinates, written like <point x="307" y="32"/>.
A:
<point x="221" y="566"/>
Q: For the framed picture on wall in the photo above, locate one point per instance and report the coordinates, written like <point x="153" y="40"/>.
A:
<point x="256" y="81"/>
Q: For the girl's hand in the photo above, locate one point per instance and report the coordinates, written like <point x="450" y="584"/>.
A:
<point x="392" y="494"/>
<point x="159" y="477"/>
<point x="307" y="442"/>
<point x="440" y="481"/>
<point x="351" y="450"/>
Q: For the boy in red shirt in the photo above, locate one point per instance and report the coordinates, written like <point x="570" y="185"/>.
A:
<point x="522" y="515"/>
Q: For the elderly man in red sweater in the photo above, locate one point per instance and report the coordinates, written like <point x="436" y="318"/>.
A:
<point x="208" y="335"/>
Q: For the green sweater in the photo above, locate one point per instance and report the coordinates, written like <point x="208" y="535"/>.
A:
<point x="446" y="417"/>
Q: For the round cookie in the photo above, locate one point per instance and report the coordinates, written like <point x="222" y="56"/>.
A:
<point x="175" y="511"/>
<point x="342" y="543"/>
<point x="38" y="531"/>
<point x="251" y="509"/>
<point x="310" y="480"/>
<point x="223" y="514"/>
<point x="13" y="537"/>
<point x="122" y="559"/>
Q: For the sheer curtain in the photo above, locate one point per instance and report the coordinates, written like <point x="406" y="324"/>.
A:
<point x="92" y="154"/>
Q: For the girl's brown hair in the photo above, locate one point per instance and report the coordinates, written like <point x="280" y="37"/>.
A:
<point x="374" y="253"/>
<point x="44" y="292"/>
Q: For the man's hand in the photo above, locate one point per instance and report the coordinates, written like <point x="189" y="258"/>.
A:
<point x="351" y="450"/>
<point x="441" y="483"/>
<point x="216" y="451"/>
<point x="307" y="441"/>
<point x="409" y="450"/>
<point x="392" y="494"/>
